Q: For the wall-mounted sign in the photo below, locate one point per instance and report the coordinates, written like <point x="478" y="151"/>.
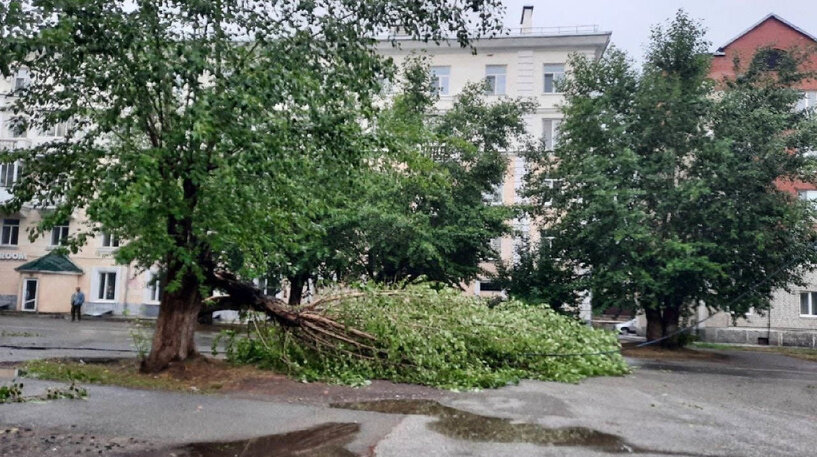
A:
<point x="12" y="256"/>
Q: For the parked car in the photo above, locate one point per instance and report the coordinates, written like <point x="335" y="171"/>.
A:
<point x="628" y="328"/>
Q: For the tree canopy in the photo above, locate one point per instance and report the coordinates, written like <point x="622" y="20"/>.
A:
<point x="668" y="197"/>
<point x="199" y="128"/>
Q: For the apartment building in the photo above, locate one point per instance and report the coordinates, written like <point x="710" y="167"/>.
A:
<point x="792" y="319"/>
<point x="526" y="63"/>
<point x="32" y="276"/>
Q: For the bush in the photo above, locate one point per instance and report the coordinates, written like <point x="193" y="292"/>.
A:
<point x="443" y="339"/>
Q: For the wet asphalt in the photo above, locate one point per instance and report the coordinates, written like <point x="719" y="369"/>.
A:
<point x="748" y="404"/>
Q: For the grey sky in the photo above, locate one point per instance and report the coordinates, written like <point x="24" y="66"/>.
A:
<point x="630" y="20"/>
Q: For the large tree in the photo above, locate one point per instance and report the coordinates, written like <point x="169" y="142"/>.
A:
<point x="668" y="197"/>
<point x="416" y="207"/>
<point x="195" y="123"/>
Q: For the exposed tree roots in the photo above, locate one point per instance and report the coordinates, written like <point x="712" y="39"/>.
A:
<point x="308" y="324"/>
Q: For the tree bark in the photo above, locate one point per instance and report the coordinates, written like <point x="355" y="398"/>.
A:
<point x="173" y="339"/>
<point x="655" y="329"/>
<point x="296" y="289"/>
<point x="670" y="319"/>
<point x="662" y="322"/>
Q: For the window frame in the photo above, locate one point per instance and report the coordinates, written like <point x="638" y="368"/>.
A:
<point x="62" y="227"/>
<point x="110" y="241"/>
<point x="13" y="232"/>
<point x="438" y="78"/>
<point x="153" y="288"/>
<point x="550" y="132"/>
<point x="493" y="88"/>
<point x="811" y="304"/>
<point x="21" y="75"/>
<point x="556" y="76"/>
<point x="16" y="171"/>
<point x="103" y="281"/>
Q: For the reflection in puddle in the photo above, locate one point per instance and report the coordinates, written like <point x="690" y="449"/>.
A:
<point x="463" y="425"/>
<point x="326" y="440"/>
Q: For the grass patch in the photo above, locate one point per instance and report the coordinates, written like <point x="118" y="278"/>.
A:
<point x="198" y="375"/>
<point x="4" y="333"/>
<point x="796" y="352"/>
<point x="440" y="339"/>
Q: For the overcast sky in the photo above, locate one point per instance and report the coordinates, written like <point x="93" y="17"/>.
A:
<point x="630" y="20"/>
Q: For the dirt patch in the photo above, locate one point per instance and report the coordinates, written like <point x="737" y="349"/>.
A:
<point x="208" y="375"/>
<point x="25" y="442"/>
<point x="659" y="353"/>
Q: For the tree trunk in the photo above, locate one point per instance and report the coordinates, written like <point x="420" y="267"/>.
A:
<point x="663" y="322"/>
<point x="655" y="328"/>
<point x="173" y="339"/>
<point x="296" y="290"/>
<point x="670" y="319"/>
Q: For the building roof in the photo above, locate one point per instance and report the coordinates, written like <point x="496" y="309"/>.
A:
<point x="51" y="263"/>
<point x="758" y="23"/>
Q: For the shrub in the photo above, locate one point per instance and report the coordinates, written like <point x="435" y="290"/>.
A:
<point x="440" y="338"/>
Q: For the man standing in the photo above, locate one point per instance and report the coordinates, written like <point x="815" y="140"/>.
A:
<point x="77" y="299"/>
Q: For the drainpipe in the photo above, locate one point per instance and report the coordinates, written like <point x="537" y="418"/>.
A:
<point x="127" y="282"/>
<point x="769" y="327"/>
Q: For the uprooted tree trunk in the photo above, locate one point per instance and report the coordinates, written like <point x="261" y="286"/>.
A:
<point x="306" y="323"/>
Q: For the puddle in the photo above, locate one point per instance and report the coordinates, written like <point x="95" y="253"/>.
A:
<point x="463" y="425"/>
<point x="326" y="440"/>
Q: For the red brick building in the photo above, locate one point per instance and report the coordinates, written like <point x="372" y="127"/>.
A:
<point x="776" y="33"/>
<point x="792" y="319"/>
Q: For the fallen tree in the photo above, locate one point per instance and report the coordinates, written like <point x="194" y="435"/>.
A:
<point x="418" y="335"/>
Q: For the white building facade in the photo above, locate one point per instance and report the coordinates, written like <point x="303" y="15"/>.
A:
<point x="526" y="63"/>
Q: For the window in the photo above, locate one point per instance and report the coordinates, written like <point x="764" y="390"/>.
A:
<point x="494" y="197"/>
<point x="808" y="304"/>
<point x="553" y="184"/>
<point x="21" y="80"/>
<point x="110" y="241"/>
<point x="17" y="127"/>
<point x="496" y="246"/>
<point x="495" y="80"/>
<point x="554" y="74"/>
<point x="809" y="101"/>
<point x="154" y="288"/>
<point x="440" y="77"/>
<point x="106" y="286"/>
<point x="57" y="130"/>
<point x="807" y="195"/>
<point x="268" y="286"/>
<point x="9" y="173"/>
<point x="9" y="232"/>
<point x="550" y="133"/>
<point x="59" y="234"/>
<point x="488" y="286"/>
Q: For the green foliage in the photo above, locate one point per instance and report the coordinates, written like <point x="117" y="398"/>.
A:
<point x="199" y="131"/>
<point x="72" y="392"/>
<point x="141" y="335"/>
<point x="442" y="338"/>
<point x="415" y="205"/>
<point x="12" y="393"/>
<point x="536" y="277"/>
<point x="668" y="194"/>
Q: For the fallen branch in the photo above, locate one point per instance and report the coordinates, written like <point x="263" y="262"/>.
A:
<point x="303" y="323"/>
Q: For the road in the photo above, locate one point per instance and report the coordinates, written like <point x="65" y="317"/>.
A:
<point x="748" y="404"/>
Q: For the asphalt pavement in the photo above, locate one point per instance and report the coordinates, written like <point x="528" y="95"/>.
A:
<point x="747" y="404"/>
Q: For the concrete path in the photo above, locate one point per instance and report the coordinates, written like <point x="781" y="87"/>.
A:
<point x="750" y="404"/>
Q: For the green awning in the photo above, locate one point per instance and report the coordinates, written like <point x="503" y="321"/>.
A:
<point x="50" y="263"/>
